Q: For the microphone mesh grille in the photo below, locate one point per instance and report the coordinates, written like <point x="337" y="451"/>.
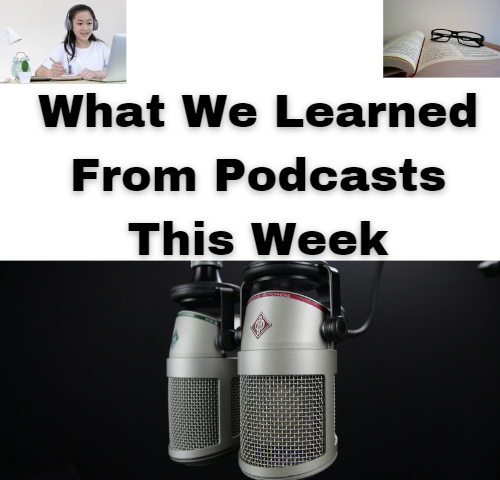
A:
<point x="282" y="419"/>
<point x="235" y="407"/>
<point x="193" y="406"/>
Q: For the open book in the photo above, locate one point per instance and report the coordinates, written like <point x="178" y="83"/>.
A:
<point x="409" y="55"/>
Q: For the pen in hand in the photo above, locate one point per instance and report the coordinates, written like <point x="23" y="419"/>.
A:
<point x="58" y="71"/>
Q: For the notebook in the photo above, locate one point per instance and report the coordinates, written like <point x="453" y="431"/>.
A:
<point x="64" y="78"/>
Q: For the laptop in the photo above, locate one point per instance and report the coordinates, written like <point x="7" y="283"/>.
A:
<point x="117" y="66"/>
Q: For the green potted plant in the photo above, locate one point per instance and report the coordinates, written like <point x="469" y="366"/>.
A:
<point x="25" y="73"/>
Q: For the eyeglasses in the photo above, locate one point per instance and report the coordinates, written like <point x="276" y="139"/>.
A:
<point x="470" y="39"/>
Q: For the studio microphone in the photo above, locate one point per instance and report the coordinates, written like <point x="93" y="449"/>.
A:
<point x="203" y="384"/>
<point x="287" y="366"/>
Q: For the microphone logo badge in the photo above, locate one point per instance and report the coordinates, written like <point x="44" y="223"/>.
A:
<point x="175" y="337"/>
<point x="260" y="325"/>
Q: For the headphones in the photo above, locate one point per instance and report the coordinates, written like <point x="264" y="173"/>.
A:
<point x="68" y="24"/>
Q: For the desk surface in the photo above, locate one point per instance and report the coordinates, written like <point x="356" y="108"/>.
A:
<point x="66" y="82"/>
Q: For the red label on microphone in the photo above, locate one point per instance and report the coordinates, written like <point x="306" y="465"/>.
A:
<point x="260" y="325"/>
<point x="293" y="296"/>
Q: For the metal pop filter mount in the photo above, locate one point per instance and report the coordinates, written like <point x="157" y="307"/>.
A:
<point x="300" y="277"/>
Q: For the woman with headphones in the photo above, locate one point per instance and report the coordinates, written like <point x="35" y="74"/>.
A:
<point x="81" y="53"/>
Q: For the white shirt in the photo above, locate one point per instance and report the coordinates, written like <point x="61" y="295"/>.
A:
<point x="95" y="57"/>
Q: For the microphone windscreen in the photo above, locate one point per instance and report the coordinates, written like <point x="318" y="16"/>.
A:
<point x="203" y="392"/>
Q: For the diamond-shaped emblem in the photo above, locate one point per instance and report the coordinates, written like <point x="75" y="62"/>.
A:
<point x="260" y="325"/>
<point x="175" y="337"/>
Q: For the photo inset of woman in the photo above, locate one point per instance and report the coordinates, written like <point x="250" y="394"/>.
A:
<point x="81" y="53"/>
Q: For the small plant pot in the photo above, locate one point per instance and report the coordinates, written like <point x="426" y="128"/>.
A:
<point x="24" y="77"/>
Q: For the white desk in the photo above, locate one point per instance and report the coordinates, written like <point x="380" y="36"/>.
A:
<point x="65" y="82"/>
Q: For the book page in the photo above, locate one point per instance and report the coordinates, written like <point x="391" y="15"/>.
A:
<point x="435" y="52"/>
<point x="406" y="47"/>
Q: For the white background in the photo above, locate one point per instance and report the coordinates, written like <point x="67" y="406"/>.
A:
<point x="319" y="51"/>
<point x="480" y="16"/>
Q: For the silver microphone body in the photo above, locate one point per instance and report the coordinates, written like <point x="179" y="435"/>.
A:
<point x="287" y="388"/>
<point x="203" y="392"/>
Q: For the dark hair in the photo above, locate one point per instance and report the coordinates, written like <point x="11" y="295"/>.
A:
<point x="69" y="41"/>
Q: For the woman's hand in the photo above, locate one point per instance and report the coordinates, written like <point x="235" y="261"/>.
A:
<point x="57" y="70"/>
<point x="88" y="74"/>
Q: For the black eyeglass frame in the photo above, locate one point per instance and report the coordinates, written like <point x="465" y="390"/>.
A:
<point x="455" y="34"/>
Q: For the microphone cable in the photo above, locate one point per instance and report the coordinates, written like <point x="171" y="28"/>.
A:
<point x="373" y="302"/>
